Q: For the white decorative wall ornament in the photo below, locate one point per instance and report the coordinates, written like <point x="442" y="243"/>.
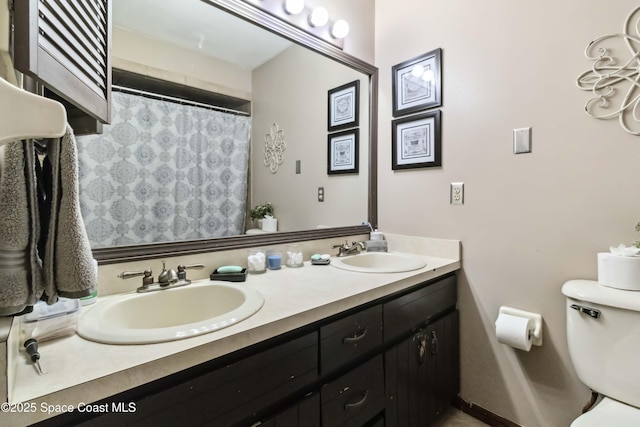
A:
<point x="605" y="77"/>
<point x="274" y="147"/>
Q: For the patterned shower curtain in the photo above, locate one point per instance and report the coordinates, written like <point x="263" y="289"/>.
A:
<point x="163" y="171"/>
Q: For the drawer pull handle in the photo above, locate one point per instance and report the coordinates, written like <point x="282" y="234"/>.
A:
<point x="357" y="336"/>
<point x="359" y="402"/>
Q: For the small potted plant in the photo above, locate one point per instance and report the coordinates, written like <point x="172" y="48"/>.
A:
<point x="264" y="214"/>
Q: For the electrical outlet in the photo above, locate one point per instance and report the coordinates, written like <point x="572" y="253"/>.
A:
<point x="457" y="193"/>
<point x="321" y="194"/>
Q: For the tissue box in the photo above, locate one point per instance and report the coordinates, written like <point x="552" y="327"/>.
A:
<point x="620" y="272"/>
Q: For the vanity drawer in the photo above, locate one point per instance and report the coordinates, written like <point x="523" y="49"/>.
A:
<point x="231" y="394"/>
<point x="407" y="312"/>
<point x="346" y="339"/>
<point x="355" y="397"/>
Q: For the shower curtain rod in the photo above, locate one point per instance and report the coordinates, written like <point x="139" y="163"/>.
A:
<point x="177" y="100"/>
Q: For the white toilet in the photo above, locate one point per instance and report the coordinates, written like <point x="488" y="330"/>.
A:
<point x="603" y="334"/>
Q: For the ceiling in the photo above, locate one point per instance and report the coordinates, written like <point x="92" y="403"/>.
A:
<point x="198" y="26"/>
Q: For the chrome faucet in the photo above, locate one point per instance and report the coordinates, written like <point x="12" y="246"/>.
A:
<point x="166" y="279"/>
<point x="345" y="249"/>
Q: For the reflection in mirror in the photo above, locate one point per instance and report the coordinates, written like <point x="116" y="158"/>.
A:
<point x="174" y="41"/>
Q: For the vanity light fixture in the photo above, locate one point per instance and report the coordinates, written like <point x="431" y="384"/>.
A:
<point x="293" y="7"/>
<point x="319" y="17"/>
<point x="427" y="74"/>
<point x="314" y="21"/>
<point x="340" y="29"/>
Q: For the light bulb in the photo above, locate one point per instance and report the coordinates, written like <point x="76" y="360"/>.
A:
<point x="319" y="17"/>
<point x="428" y="76"/>
<point x="340" y="29"/>
<point x="418" y="71"/>
<point x="293" y="7"/>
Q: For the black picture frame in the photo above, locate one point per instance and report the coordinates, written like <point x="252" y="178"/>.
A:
<point x="343" y="152"/>
<point x="417" y="83"/>
<point x="343" y="103"/>
<point x="416" y="141"/>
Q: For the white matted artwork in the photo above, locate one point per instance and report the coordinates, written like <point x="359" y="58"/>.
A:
<point x="342" y="152"/>
<point x="417" y="83"/>
<point x="343" y="106"/>
<point x="416" y="141"/>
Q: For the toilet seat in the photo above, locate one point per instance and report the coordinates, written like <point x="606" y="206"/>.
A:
<point x="609" y="413"/>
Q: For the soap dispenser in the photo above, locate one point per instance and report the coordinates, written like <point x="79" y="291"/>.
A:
<point x="376" y="235"/>
<point x="377" y="242"/>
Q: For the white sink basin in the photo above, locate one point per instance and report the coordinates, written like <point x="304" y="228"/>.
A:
<point x="379" y="262"/>
<point x="168" y="315"/>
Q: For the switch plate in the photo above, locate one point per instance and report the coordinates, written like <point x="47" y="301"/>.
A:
<point x="298" y="167"/>
<point x="321" y="194"/>
<point x="457" y="193"/>
<point x="522" y="140"/>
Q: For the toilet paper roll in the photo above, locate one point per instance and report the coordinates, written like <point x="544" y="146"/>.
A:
<point x="514" y="331"/>
<point x="620" y="272"/>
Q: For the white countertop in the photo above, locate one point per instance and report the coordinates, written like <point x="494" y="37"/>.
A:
<point x="81" y="371"/>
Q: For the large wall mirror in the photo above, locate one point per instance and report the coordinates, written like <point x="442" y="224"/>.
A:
<point x="232" y="51"/>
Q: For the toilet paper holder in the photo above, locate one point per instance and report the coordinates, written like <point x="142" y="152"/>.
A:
<point x="535" y="317"/>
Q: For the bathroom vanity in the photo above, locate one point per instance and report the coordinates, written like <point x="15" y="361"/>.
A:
<point x="328" y="348"/>
<point x="394" y="359"/>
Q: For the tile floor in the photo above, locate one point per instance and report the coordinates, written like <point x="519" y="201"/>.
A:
<point x="457" y="418"/>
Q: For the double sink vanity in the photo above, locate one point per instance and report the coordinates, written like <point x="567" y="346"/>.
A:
<point x="371" y="339"/>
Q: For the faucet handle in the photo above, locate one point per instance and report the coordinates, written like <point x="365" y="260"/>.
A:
<point x="147" y="278"/>
<point x="182" y="273"/>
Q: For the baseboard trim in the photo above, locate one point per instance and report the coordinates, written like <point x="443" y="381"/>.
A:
<point x="482" y="414"/>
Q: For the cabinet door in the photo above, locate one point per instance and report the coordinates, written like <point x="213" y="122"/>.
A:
<point x="442" y="360"/>
<point x="66" y="46"/>
<point x="422" y="374"/>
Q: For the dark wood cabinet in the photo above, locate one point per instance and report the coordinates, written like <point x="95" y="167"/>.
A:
<point x="391" y="362"/>
<point x="305" y="413"/>
<point x="422" y="374"/>
<point x="66" y="46"/>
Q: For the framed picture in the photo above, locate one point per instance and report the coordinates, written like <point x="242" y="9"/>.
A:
<point x="416" y="141"/>
<point x="342" y="155"/>
<point x="343" y="106"/>
<point x="417" y="84"/>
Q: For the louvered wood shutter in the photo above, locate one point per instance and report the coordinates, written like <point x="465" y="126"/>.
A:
<point x="66" y="45"/>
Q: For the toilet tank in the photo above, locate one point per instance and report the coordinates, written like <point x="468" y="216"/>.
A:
<point x="603" y="334"/>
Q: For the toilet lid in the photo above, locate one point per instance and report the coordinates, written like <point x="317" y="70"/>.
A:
<point x="609" y="413"/>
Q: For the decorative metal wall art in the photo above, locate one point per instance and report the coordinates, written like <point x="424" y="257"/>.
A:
<point x="274" y="147"/>
<point x="606" y="77"/>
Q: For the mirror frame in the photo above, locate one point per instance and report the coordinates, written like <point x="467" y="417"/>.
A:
<point x="256" y="16"/>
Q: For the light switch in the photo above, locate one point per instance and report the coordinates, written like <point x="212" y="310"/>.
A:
<point x="522" y="140"/>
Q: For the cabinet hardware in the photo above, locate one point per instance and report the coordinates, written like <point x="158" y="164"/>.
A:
<point x="434" y="343"/>
<point x="422" y="347"/>
<point x="357" y="336"/>
<point x="359" y="402"/>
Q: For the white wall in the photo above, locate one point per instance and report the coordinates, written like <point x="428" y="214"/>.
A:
<point x="151" y="57"/>
<point x="531" y="221"/>
<point x="291" y="90"/>
<point x="360" y="16"/>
